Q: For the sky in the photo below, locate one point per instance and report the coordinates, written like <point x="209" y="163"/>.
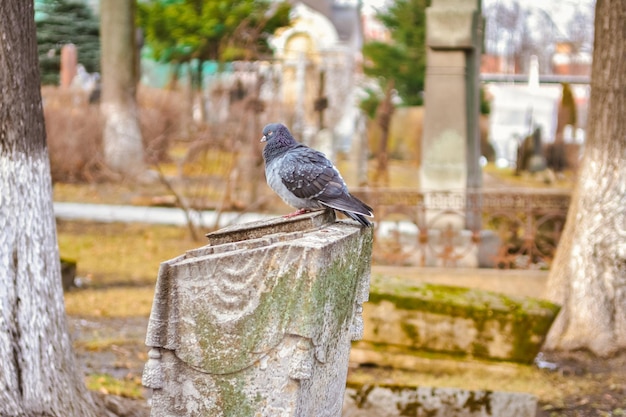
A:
<point x="556" y="8"/>
<point x="559" y="10"/>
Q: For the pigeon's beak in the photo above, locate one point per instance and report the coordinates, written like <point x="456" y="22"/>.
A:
<point x="263" y="139"/>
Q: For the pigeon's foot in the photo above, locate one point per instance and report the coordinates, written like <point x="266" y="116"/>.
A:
<point x="295" y="213"/>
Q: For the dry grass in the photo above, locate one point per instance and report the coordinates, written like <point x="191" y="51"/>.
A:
<point x="109" y="193"/>
<point x="117" y="302"/>
<point x="129" y="387"/>
<point x="120" y="254"/>
<point x="74" y="131"/>
<point x="505" y="177"/>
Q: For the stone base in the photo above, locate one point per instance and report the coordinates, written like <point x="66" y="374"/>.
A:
<point x="403" y="314"/>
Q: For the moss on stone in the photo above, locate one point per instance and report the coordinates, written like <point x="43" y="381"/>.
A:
<point x="476" y="402"/>
<point x="315" y="301"/>
<point x="525" y="321"/>
<point x="234" y="401"/>
<point x="411" y="331"/>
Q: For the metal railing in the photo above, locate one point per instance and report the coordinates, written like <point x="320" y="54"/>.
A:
<point x="482" y="227"/>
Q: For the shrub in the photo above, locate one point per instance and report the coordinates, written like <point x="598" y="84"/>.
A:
<point x="74" y="135"/>
<point x="74" y="131"/>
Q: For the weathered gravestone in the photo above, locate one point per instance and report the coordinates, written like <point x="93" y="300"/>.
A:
<point x="259" y="322"/>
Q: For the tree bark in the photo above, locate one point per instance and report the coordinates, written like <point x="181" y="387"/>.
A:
<point x="588" y="276"/>
<point x="123" y="147"/>
<point x="38" y="372"/>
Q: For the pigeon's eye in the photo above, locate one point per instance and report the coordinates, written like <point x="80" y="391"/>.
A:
<point x="270" y="133"/>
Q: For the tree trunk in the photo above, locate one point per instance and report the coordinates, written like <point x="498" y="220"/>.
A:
<point x="588" y="276"/>
<point x="38" y="372"/>
<point x="123" y="148"/>
<point x="383" y="118"/>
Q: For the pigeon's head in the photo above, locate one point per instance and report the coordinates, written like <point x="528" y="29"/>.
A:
<point x="274" y="131"/>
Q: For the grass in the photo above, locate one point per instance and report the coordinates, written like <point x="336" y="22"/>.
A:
<point x="121" y="254"/>
<point x="119" y="264"/>
<point x="545" y="180"/>
<point x="129" y="387"/>
<point x="107" y="193"/>
<point x="117" y="302"/>
<point x="102" y="343"/>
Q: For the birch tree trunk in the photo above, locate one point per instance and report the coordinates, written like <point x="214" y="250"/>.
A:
<point x="123" y="147"/>
<point x="38" y="372"/>
<point x="588" y="276"/>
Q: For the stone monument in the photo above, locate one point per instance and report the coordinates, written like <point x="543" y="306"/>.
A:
<point x="451" y="139"/>
<point x="259" y="322"/>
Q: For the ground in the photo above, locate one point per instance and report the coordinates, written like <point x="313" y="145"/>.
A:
<point x="606" y="392"/>
<point x="113" y="351"/>
<point x="596" y="387"/>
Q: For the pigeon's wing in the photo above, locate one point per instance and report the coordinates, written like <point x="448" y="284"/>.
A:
<point x="308" y="174"/>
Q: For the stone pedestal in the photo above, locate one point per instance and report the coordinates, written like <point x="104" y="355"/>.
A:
<point x="444" y="152"/>
<point x="259" y="322"/>
<point x="451" y="139"/>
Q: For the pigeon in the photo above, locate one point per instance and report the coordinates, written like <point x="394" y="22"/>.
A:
<point x="305" y="179"/>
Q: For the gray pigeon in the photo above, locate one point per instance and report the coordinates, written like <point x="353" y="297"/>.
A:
<point x="305" y="179"/>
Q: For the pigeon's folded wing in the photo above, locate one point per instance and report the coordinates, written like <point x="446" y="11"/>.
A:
<point x="309" y="175"/>
<point x="306" y="172"/>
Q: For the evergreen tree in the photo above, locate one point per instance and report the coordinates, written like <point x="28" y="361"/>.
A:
<point x="211" y="30"/>
<point x="403" y="60"/>
<point x="61" y="22"/>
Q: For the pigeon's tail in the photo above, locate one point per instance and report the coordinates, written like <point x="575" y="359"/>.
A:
<point x="358" y="217"/>
<point x="351" y="207"/>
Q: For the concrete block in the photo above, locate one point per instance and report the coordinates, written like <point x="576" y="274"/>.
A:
<point x="408" y="316"/>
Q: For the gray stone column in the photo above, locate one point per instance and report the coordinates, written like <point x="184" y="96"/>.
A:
<point x="260" y="321"/>
<point x="451" y="140"/>
<point x="444" y="165"/>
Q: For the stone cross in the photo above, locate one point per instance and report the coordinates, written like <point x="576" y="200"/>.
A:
<point x="260" y="321"/>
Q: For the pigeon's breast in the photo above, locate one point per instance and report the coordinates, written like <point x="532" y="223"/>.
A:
<point x="274" y="180"/>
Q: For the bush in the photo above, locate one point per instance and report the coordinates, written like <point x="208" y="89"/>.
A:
<point x="74" y="135"/>
<point x="74" y="131"/>
<point x="161" y="116"/>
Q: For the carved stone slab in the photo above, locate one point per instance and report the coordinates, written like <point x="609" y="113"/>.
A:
<point x="259" y="324"/>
